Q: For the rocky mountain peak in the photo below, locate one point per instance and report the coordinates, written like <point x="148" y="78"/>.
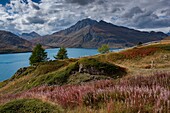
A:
<point x="79" y="25"/>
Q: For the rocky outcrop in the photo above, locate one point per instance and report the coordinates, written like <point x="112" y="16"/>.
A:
<point x="19" y="73"/>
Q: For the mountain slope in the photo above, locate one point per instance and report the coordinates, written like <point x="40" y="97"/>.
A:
<point x="29" y="36"/>
<point x="89" y="33"/>
<point x="12" y="43"/>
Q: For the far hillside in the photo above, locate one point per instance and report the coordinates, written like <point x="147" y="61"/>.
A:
<point x="11" y="43"/>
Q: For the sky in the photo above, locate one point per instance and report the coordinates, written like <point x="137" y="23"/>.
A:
<point x="49" y="16"/>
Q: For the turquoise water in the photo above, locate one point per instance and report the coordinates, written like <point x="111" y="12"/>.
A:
<point x="10" y="63"/>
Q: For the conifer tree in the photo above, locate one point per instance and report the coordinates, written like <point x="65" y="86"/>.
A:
<point x="62" y="54"/>
<point x="38" y="55"/>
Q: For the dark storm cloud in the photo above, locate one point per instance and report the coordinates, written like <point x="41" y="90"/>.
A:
<point x="80" y="2"/>
<point x="166" y="11"/>
<point x="35" y="6"/>
<point x="132" y="12"/>
<point x="35" y="20"/>
<point x="149" y="20"/>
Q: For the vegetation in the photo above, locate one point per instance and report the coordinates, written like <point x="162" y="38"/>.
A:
<point x="135" y="94"/>
<point x="38" y="55"/>
<point x="62" y="54"/>
<point x="96" y="67"/>
<point x="103" y="49"/>
<point x="97" y="83"/>
<point x="139" y="44"/>
<point x="29" y="106"/>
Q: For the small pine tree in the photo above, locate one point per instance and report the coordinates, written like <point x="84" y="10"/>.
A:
<point x="62" y="54"/>
<point x="103" y="49"/>
<point x="139" y="44"/>
<point x="38" y="55"/>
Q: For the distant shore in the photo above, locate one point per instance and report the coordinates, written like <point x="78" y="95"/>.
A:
<point x="1" y="53"/>
<point x="14" y="52"/>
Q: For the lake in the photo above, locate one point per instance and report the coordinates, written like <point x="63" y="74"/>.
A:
<point x="10" y="63"/>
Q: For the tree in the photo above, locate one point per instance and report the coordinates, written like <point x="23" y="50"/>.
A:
<point x="62" y="54"/>
<point x="38" y="55"/>
<point x="103" y="49"/>
<point x="139" y="44"/>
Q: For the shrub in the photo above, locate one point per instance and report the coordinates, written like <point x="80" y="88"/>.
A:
<point x="103" y="49"/>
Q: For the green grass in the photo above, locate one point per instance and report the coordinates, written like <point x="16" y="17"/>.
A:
<point x="80" y="78"/>
<point x="70" y="73"/>
<point x="29" y="106"/>
<point x="55" y="78"/>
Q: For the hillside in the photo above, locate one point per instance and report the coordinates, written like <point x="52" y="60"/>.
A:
<point x="89" y="33"/>
<point x="113" y="82"/>
<point x="167" y="38"/>
<point x="11" y="43"/>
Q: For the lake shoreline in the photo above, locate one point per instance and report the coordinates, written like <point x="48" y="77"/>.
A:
<point x="2" y="53"/>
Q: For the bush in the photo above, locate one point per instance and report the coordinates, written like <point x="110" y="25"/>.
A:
<point x="103" y="49"/>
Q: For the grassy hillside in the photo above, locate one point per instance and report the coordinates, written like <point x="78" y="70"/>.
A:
<point x="60" y="73"/>
<point x="133" y="80"/>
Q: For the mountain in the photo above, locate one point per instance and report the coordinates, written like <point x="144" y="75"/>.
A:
<point x="29" y="36"/>
<point x="11" y="43"/>
<point x="89" y="33"/>
<point x="168" y="33"/>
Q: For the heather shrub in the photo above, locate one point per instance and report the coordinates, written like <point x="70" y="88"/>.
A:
<point x="129" y="95"/>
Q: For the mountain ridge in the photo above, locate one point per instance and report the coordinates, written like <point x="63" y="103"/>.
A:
<point x="89" y="33"/>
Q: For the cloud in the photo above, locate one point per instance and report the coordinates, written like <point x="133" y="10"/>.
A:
<point x="35" y="6"/>
<point x="35" y="20"/>
<point x="49" y="16"/>
<point x="132" y="12"/>
<point x="80" y="2"/>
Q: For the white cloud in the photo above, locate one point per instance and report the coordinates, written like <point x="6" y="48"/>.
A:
<point x="52" y="15"/>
